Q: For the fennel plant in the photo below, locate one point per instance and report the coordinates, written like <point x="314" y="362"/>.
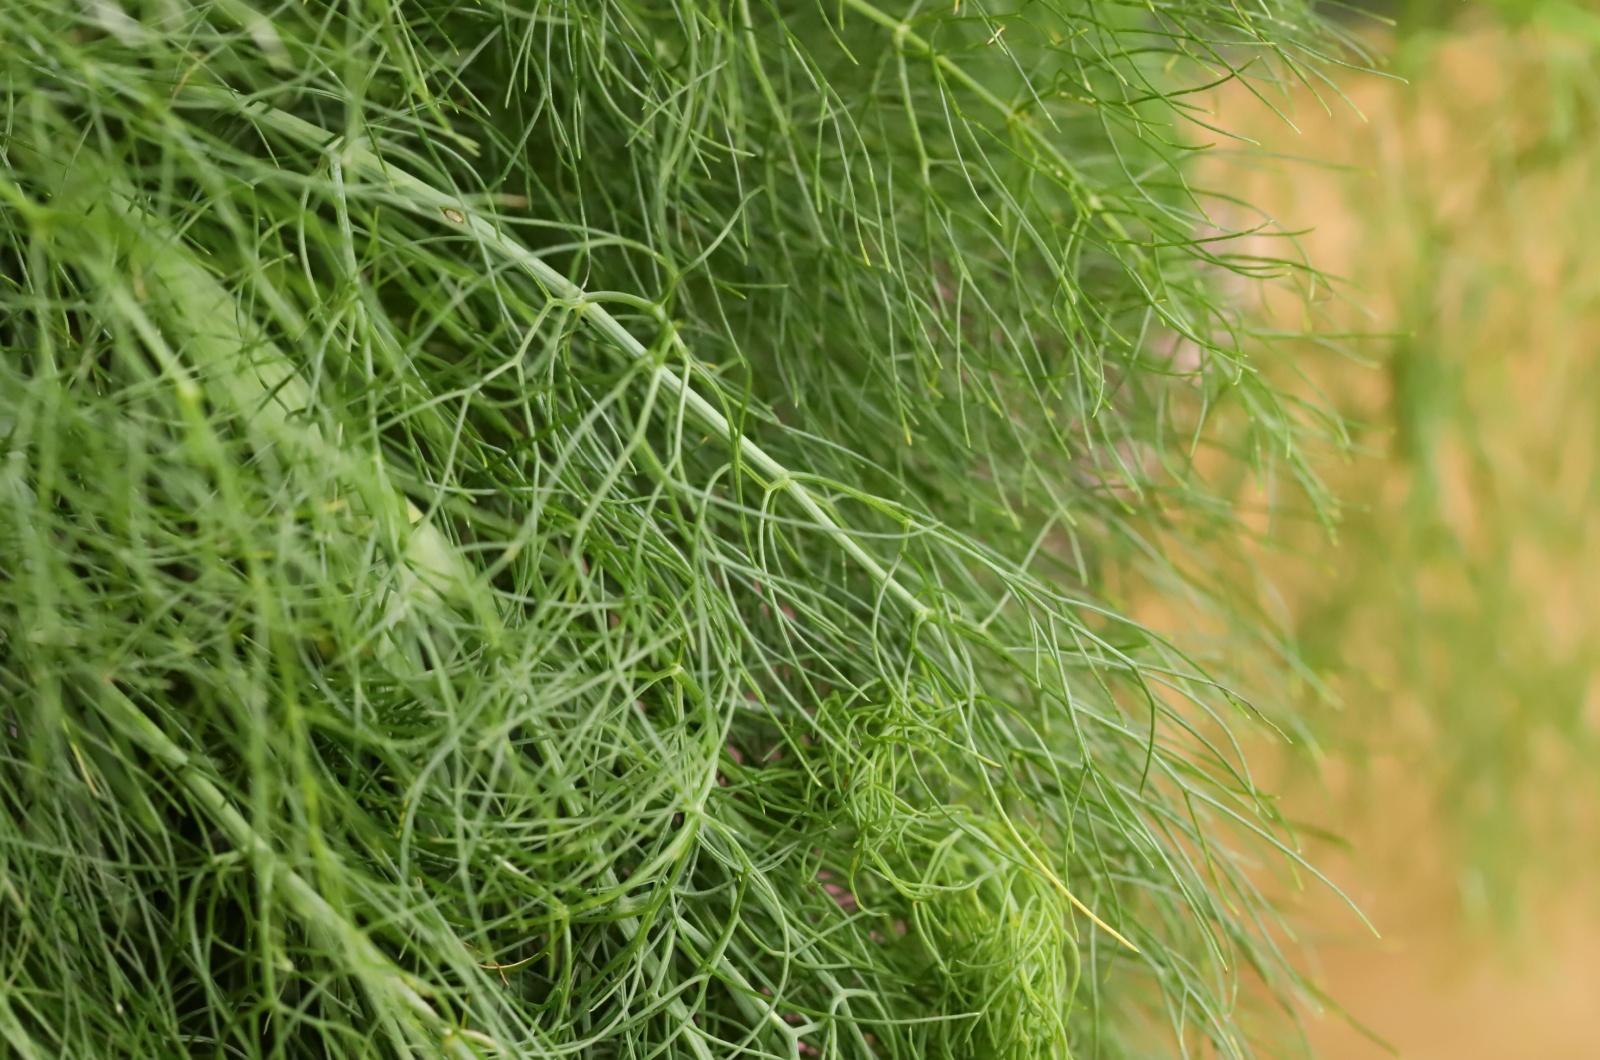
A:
<point x="579" y="529"/>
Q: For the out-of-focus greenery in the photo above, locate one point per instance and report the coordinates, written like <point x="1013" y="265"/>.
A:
<point x="1434" y="18"/>
<point x="1458" y="638"/>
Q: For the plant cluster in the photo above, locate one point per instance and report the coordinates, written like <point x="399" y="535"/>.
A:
<point x="554" y="529"/>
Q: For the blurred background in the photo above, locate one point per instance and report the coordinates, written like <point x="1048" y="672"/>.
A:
<point x="1446" y="646"/>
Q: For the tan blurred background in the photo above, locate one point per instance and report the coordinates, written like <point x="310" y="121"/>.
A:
<point x="1451" y="637"/>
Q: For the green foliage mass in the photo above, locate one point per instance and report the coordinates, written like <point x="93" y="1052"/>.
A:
<point x="576" y="530"/>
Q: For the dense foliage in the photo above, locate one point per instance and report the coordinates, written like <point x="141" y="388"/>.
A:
<point x="577" y="529"/>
